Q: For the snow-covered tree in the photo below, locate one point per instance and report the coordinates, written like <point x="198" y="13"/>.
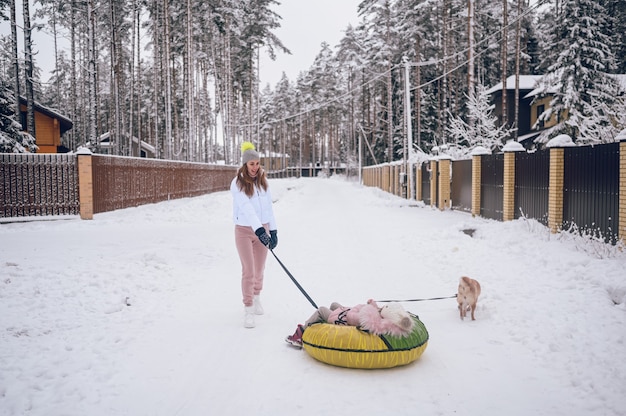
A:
<point x="617" y="30"/>
<point x="12" y="139"/>
<point x="603" y="122"/>
<point x="484" y="131"/>
<point x="579" y="81"/>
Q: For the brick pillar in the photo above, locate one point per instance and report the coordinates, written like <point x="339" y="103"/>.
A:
<point x="433" y="183"/>
<point x="476" y="172"/>
<point x="444" y="184"/>
<point x="85" y="186"/>
<point x="555" y="192"/>
<point x="508" y="203"/>
<point x="622" y="191"/>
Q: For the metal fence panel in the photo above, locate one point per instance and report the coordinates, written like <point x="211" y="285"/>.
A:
<point x="461" y="186"/>
<point x="532" y="183"/>
<point x="38" y="184"/>
<point x="591" y="190"/>
<point x="426" y="174"/>
<point x="492" y="186"/>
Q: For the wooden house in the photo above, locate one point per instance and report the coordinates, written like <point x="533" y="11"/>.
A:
<point x="49" y="127"/>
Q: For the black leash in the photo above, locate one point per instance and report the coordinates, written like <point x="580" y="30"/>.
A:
<point x="293" y="279"/>
<point x="306" y="295"/>
<point x="417" y="300"/>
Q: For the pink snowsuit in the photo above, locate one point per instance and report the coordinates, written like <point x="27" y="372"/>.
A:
<point x="345" y="316"/>
<point x="368" y="317"/>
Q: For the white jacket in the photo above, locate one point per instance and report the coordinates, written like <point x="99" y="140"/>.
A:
<point x="252" y="211"/>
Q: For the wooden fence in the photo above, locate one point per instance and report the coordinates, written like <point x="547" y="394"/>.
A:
<point x="86" y="184"/>
<point x="561" y="187"/>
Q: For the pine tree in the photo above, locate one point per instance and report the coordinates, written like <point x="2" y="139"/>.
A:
<point x="12" y="139"/>
<point x="616" y="9"/>
<point x="583" y="92"/>
<point x="484" y="130"/>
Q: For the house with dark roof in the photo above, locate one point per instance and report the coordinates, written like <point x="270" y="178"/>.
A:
<point x="50" y="125"/>
<point x="527" y="117"/>
<point x="532" y="103"/>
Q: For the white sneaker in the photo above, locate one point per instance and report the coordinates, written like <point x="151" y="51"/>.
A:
<point x="258" y="308"/>
<point x="248" y="319"/>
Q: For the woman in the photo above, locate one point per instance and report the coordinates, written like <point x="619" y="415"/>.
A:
<point x="254" y="218"/>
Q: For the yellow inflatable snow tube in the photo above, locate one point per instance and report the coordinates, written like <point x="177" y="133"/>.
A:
<point x="347" y="346"/>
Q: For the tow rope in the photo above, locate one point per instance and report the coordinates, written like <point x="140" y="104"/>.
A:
<point x="293" y="279"/>
<point x="306" y="295"/>
<point x="417" y="300"/>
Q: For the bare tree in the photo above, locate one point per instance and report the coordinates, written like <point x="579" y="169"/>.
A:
<point x="73" y="75"/>
<point x="16" y="62"/>
<point x="28" y="64"/>
<point x="169" y="135"/>
<point x="470" y="51"/>
<point x="518" y="57"/>
<point x="91" y="70"/>
<point x="115" y="131"/>
<point x="503" y="46"/>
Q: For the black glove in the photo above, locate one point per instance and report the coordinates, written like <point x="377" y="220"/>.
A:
<point x="274" y="239"/>
<point x="265" y="239"/>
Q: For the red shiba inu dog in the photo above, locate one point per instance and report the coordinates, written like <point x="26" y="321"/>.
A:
<point x="469" y="290"/>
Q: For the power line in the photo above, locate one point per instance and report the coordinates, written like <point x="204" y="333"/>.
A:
<point x="430" y="62"/>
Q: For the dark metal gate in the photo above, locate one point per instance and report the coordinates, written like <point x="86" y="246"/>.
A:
<point x="532" y="182"/>
<point x="591" y="190"/>
<point x="492" y="186"/>
<point x="426" y="174"/>
<point x="461" y="186"/>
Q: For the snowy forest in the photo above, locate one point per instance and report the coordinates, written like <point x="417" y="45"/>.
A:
<point x="183" y="76"/>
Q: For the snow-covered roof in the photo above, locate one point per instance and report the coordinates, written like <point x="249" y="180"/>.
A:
<point x="526" y="82"/>
<point x="105" y="141"/>
<point x="528" y="136"/>
<point x="621" y="79"/>
<point x="65" y="123"/>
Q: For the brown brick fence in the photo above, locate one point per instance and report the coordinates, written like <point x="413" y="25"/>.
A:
<point x="86" y="184"/>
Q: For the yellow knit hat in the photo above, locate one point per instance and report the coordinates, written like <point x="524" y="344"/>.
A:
<point x="248" y="152"/>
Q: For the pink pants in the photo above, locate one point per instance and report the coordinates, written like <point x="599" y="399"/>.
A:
<point x="252" y="254"/>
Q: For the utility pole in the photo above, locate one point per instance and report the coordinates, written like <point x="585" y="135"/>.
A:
<point x="408" y="141"/>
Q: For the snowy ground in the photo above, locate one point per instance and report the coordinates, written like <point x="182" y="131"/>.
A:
<point x="139" y="312"/>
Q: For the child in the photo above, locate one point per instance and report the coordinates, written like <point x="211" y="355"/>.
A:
<point x="391" y="319"/>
